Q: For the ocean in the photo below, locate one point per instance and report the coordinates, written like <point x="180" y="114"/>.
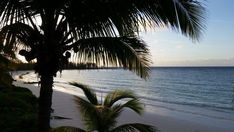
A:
<point x="196" y="91"/>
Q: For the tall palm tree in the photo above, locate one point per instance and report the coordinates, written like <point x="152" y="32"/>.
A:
<point x="102" y="116"/>
<point x="99" y="31"/>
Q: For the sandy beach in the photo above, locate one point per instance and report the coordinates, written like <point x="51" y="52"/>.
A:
<point x="64" y="106"/>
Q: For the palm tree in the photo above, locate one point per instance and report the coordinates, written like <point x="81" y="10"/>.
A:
<point x="101" y="116"/>
<point x="104" y="32"/>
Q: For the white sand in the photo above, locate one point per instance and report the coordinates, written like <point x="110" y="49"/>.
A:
<point x="64" y="106"/>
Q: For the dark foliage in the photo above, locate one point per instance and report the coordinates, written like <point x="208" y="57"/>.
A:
<point x="18" y="110"/>
<point x="5" y="77"/>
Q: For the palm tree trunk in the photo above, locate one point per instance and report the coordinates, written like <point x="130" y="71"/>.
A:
<point x="45" y="101"/>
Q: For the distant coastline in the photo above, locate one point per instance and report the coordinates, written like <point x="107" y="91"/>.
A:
<point x="85" y="66"/>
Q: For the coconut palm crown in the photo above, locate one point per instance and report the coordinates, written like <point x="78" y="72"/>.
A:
<point x="101" y="31"/>
<point x="101" y="115"/>
<point x="104" y="32"/>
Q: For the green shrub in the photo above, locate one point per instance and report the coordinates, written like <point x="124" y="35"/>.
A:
<point x="18" y="110"/>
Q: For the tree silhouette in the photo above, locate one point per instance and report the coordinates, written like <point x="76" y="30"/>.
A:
<point x="104" y="32"/>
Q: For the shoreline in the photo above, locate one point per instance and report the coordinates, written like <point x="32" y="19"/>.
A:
<point x="165" y="120"/>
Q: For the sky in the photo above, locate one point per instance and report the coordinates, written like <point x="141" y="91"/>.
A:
<point x="215" y="48"/>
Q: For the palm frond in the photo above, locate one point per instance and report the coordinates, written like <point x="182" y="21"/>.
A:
<point x="117" y="95"/>
<point x="88" y="112"/>
<point x="106" y="118"/>
<point x="117" y="17"/>
<point x="135" y="127"/>
<point x="67" y="129"/>
<point x="7" y="40"/>
<point x="89" y="93"/>
<point x="11" y="11"/>
<point x="190" y="15"/>
<point x="134" y="105"/>
<point x="20" y="33"/>
<point x="21" y="36"/>
<point x="113" y="115"/>
<point x="128" y="52"/>
<point x="186" y="16"/>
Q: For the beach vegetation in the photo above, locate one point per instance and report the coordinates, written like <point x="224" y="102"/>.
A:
<point x="101" y="114"/>
<point x="104" y="32"/>
<point x="5" y="77"/>
<point x="18" y="110"/>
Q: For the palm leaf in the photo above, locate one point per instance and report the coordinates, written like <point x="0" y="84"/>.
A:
<point x="67" y="129"/>
<point x="134" y="105"/>
<point x="20" y="32"/>
<point x="89" y="93"/>
<point x="128" y="52"/>
<point x="102" y="18"/>
<point x="189" y="16"/>
<point x="12" y="11"/>
<point x="117" y="95"/>
<point x="21" y="36"/>
<point x="88" y="112"/>
<point x="96" y="116"/>
<point x="135" y="127"/>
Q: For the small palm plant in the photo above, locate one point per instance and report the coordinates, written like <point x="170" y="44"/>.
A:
<point x="101" y="115"/>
